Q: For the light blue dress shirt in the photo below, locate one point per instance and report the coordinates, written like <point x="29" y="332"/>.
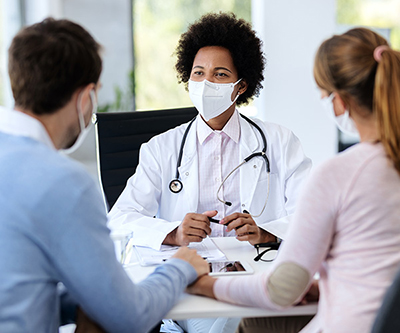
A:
<point x="53" y="229"/>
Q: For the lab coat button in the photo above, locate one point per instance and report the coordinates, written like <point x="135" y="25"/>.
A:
<point x="186" y="174"/>
<point x="255" y="166"/>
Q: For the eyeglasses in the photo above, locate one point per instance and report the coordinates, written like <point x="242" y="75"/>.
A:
<point x="266" y="252"/>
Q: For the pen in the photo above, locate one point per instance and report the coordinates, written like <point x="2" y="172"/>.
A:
<point x="213" y="220"/>
<point x="216" y="221"/>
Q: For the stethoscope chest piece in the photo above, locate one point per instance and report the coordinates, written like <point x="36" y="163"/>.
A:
<point x="175" y="186"/>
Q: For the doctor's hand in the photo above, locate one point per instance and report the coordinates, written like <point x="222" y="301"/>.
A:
<point x="246" y="228"/>
<point x="190" y="255"/>
<point x="193" y="228"/>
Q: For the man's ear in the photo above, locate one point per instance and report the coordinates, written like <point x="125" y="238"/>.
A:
<point x="86" y="101"/>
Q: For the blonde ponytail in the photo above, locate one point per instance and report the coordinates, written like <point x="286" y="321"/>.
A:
<point x="386" y="104"/>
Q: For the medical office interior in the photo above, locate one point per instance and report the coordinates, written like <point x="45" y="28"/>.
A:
<point x="139" y="38"/>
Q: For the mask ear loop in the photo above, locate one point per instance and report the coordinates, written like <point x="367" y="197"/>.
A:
<point x="80" y="114"/>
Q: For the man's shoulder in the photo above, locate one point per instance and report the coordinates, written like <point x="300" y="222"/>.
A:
<point x="40" y="162"/>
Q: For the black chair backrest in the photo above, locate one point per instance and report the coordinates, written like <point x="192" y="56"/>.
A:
<point x="119" y="137"/>
<point x="388" y="317"/>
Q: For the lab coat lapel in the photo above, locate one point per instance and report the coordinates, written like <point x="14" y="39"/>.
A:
<point x="189" y="170"/>
<point x="251" y="170"/>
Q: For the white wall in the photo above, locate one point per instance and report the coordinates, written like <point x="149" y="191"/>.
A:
<point x="110" y="24"/>
<point x="292" y="31"/>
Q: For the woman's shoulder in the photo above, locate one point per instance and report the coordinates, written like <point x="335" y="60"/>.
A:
<point x="352" y="160"/>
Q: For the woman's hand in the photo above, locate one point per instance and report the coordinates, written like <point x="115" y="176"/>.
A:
<point x="202" y="286"/>
<point x="246" y="228"/>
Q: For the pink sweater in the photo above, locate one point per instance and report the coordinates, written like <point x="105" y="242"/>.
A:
<point x="346" y="227"/>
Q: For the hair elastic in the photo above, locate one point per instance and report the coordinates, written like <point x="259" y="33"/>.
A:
<point x="378" y="52"/>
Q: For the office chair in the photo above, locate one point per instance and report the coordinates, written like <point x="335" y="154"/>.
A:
<point x="388" y="317"/>
<point x="119" y="136"/>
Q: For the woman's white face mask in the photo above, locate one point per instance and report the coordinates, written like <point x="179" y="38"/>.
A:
<point x="84" y="130"/>
<point x="211" y="99"/>
<point x="344" y="121"/>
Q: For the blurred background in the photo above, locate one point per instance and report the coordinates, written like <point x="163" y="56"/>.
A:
<point x="139" y="39"/>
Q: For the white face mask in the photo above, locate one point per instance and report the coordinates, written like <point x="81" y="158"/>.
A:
<point x="84" y="130"/>
<point x="344" y="121"/>
<point x="211" y="99"/>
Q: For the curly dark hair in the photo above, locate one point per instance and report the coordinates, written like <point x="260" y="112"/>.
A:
<point x="236" y="35"/>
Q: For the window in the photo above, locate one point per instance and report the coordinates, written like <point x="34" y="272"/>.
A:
<point x="383" y="16"/>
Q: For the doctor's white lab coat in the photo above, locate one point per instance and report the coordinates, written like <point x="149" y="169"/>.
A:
<point x="151" y="210"/>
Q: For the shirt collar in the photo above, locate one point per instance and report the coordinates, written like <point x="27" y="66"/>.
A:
<point x="231" y="128"/>
<point x="19" y="123"/>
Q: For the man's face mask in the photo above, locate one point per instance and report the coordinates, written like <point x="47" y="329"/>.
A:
<point x="84" y="130"/>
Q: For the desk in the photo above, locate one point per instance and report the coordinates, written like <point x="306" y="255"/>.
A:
<point x="191" y="306"/>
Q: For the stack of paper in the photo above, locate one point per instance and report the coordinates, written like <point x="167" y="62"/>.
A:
<point x="207" y="249"/>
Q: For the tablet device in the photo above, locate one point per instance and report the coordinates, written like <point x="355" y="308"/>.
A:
<point x="230" y="267"/>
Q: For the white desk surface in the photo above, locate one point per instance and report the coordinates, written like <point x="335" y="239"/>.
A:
<point x="191" y="306"/>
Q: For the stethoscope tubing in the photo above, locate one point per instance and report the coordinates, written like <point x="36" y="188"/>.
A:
<point x="176" y="185"/>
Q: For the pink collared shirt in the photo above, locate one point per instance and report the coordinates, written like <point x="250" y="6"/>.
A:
<point x="219" y="154"/>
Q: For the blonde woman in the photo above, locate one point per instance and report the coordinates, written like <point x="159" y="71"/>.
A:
<point x="347" y="222"/>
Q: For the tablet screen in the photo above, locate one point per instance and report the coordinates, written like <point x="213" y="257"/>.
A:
<point x="226" y="266"/>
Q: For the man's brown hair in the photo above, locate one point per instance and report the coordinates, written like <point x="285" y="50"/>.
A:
<point x="49" y="61"/>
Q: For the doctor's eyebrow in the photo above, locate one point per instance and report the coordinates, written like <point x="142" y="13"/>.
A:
<point x="224" y="68"/>
<point x="216" y="68"/>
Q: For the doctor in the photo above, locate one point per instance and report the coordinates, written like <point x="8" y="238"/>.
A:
<point x="170" y="200"/>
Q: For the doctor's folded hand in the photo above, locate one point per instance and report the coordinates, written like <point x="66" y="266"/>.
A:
<point x="190" y="255"/>
<point x="193" y="228"/>
<point x="246" y="229"/>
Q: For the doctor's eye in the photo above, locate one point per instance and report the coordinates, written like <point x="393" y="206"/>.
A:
<point x="197" y="73"/>
<point x="221" y="75"/>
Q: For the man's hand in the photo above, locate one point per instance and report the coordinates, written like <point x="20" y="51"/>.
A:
<point x="190" y="255"/>
<point x="246" y="228"/>
<point x="193" y="228"/>
<point x="86" y="325"/>
<point x="312" y="294"/>
<point x="202" y="286"/>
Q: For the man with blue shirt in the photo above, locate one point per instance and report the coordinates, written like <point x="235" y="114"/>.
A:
<point x="52" y="221"/>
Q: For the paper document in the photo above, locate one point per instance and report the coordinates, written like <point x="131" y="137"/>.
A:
<point x="207" y="249"/>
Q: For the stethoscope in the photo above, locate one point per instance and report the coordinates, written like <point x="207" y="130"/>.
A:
<point x="176" y="185"/>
